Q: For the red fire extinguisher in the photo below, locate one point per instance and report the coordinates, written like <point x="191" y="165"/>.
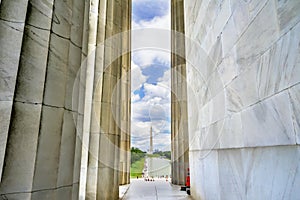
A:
<point x="187" y="182"/>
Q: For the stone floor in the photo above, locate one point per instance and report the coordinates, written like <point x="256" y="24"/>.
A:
<point x="157" y="190"/>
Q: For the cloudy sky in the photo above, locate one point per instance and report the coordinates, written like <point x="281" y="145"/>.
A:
<point x="150" y="90"/>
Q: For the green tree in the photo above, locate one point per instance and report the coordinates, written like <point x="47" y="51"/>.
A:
<point x="136" y="154"/>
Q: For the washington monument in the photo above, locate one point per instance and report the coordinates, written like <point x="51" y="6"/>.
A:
<point x="151" y="142"/>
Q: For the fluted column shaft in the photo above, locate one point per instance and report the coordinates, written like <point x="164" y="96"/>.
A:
<point x="61" y="113"/>
<point x="179" y="126"/>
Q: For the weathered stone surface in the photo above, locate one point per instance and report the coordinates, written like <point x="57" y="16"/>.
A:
<point x="240" y="173"/>
<point x="294" y="94"/>
<point x="288" y="14"/>
<point x="20" y="156"/>
<point x="268" y="33"/>
<point x="242" y="91"/>
<point x="247" y="171"/>
<point x="40" y="13"/>
<point x="48" y="151"/>
<point x="5" y="114"/>
<point x="43" y="194"/>
<point x="204" y="166"/>
<point x="10" y="40"/>
<point x="25" y="196"/>
<point x="231" y="133"/>
<point x="73" y="73"/>
<point x="64" y="193"/>
<point x="55" y="88"/>
<point x="13" y="11"/>
<point x="32" y="69"/>
<point x="62" y="18"/>
<point x="67" y="147"/>
<point x="269" y="122"/>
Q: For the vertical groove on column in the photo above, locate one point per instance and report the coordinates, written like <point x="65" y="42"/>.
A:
<point x="54" y="115"/>
<point x="78" y="192"/>
<point x="92" y="174"/>
<point x="125" y="120"/>
<point x="129" y="90"/>
<point x="106" y="146"/>
<point x="67" y="181"/>
<point x="82" y="93"/>
<point x="117" y="29"/>
<point x="75" y="61"/>
<point x="12" y="22"/>
<point x="89" y="88"/>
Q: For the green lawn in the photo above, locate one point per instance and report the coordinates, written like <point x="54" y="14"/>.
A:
<point x="153" y="155"/>
<point x="136" y="168"/>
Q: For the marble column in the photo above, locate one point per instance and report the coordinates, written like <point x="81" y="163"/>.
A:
<point x="21" y="152"/>
<point x="56" y="139"/>
<point x="12" y="23"/>
<point x="125" y="97"/>
<point x="180" y="159"/>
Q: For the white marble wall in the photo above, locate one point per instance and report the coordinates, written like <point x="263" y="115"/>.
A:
<point x="243" y="77"/>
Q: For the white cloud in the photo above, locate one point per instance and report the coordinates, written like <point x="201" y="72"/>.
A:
<point x="146" y="57"/>
<point x="153" y="91"/>
<point x="162" y="22"/>
<point x="135" y="97"/>
<point x="137" y="78"/>
<point x="165" y="81"/>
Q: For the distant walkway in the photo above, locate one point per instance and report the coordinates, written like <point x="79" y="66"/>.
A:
<point x="157" y="190"/>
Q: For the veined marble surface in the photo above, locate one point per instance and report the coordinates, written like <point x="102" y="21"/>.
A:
<point x="244" y="139"/>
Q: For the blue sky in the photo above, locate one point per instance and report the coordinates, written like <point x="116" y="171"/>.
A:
<point x="148" y="9"/>
<point x="150" y="79"/>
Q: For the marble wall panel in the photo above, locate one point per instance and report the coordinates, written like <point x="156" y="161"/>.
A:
<point x="260" y="33"/>
<point x="288" y="14"/>
<point x="204" y="175"/>
<point x="242" y="91"/>
<point x="228" y="69"/>
<point x="259" y="69"/>
<point x="231" y="135"/>
<point x="279" y="66"/>
<point x="269" y="122"/>
<point x="294" y="94"/>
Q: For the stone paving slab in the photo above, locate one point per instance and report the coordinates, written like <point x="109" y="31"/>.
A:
<point x="159" y="189"/>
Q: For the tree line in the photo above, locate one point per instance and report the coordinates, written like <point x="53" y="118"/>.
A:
<point x="136" y="154"/>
